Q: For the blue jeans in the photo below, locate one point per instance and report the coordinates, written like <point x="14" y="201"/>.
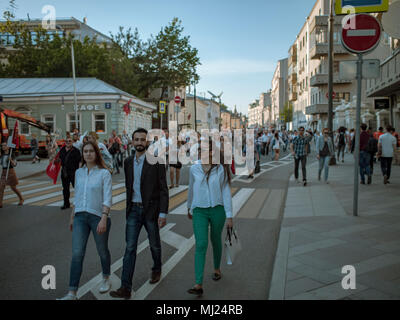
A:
<point x="85" y="222"/>
<point x="324" y="164"/>
<point x="365" y="168"/>
<point x="135" y="221"/>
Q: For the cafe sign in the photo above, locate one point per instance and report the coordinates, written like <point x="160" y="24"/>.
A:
<point x="89" y="107"/>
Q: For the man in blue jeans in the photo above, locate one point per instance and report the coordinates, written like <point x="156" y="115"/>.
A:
<point x="147" y="205"/>
<point x="365" y="156"/>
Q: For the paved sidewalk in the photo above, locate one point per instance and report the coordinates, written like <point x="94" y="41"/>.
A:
<point x="319" y="236"/>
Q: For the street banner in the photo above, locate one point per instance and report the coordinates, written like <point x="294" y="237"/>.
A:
<point x="360" y="6"/>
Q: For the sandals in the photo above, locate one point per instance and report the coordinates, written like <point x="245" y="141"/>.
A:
<point x="197" y="292"/>
<point x="216" y="276"/>
<point x="171" y="186"/>
<point x="21" y="202"/>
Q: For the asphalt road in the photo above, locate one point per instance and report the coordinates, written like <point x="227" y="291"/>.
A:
<point x="34" y="236"/>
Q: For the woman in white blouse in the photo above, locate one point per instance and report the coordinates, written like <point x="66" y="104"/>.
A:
<point x="209" y="204"/>
<point x="93" y="196"/>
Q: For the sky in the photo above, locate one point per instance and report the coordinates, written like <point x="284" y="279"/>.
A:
<point x="239" y="41"/>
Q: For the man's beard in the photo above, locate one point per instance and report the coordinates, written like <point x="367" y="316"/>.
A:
<point x="140" y="148"/>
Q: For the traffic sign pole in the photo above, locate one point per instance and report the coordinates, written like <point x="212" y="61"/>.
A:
<point x="357" y="134"/>
<point x="359" y="40"/>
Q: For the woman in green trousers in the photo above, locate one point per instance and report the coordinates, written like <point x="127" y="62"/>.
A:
<point x="209" y="205"/>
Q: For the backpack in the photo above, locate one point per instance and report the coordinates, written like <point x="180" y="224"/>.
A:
<point x="342" y="141"/>
<point x="114" y="148"/>
<point x="372" y="146"/>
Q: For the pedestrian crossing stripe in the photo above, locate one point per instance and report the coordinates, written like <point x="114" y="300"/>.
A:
<point x="48" y="194"/>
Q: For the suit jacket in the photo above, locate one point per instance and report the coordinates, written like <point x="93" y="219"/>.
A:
<point x="70" y="162"/>
<point x="153" y="188"/>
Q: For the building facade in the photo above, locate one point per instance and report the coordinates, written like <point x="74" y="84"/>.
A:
<point x="50" y="100"/>
<point x="279" y="92"/>
<point x="308" y="74"/>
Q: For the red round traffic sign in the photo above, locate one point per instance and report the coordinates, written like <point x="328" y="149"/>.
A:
<point x="361" y="33"/>
<point x="333" y="95"/>
<point x="177" y="99"/>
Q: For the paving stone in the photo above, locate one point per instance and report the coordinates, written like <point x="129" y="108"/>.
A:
<point x="372" y="294"/>
<point x="316" y="274"/>
<point x="330" y="292"/>
<point x="301" y="285"/>
<point x="316" y="245"/>
<point x="290" y="275"/>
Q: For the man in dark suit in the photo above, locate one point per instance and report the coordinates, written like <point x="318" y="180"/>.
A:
<point x="146" y="205"/>
<point x="70" y="158"/>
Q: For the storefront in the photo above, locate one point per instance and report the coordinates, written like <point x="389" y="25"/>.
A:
<point x="100" y="106"/>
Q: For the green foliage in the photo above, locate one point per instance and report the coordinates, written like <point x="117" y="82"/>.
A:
<point x="287" y="114"/>
<point x="137" y="67"/>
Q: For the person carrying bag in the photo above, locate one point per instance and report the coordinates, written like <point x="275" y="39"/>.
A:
<point x="209" y="205"/>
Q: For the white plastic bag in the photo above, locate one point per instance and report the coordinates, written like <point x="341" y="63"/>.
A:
<point x="232" y="246"/>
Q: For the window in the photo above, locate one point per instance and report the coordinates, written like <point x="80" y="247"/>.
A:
<point x="335" y="66"/>
<point x="99" y="123"/>
<point x="342" y="96"/>
<point x="71" y="122"/>
<point x="24" y="128"/>
<point x="50" y="120"/>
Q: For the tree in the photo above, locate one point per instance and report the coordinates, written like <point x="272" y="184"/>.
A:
<point x="170" y="59"/>
<point x="287" y="114"/>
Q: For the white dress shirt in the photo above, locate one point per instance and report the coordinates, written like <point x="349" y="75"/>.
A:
<point x="209" y="195"/>
<point x="93" y="190"/>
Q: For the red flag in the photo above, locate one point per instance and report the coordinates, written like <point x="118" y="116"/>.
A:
<point x="126" y="107"/>
<point x="15" y="139"/>
<point x="53" y="169"/>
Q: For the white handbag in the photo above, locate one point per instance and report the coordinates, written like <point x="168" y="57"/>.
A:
<point x="232" y="245"/>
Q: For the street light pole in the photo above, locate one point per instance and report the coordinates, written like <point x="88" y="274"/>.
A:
<point x="73" y="76"/>
<point x="330" y="75"/>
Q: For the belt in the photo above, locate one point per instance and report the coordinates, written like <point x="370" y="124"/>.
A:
<point x="138" y="204"/>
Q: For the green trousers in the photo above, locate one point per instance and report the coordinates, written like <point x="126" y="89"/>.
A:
<point x="202" y="219"/>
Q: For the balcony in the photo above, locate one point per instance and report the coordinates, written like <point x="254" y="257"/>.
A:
<point x="321" y="49"/>
<point x="322" y="79"/>
<point x="389" y="81"/>
<point x="292" y="95"/>
<point x="322" y="21"/>
<point x="320" y="108"/>
<point x="292" y="78"/>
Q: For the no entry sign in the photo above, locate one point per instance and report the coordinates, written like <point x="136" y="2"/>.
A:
<point x="177" y="99"/>
<point x="362" y="34"/>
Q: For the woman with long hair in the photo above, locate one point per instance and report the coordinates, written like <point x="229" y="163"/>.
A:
<point x="12" y="179"/>
<point x="209" y="205"/>
<point x="276" y="145"/>
<point x="93" y="200"/>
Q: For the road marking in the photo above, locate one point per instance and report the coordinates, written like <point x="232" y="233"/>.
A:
<point x="25" y="193"/>
<point x="238" y="200"/>
<point x="91" y="284"/>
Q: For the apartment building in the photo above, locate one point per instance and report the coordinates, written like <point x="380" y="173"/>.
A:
<point x="386" y="89"/>
<point x="308" y="74"/>
<point x="279" y="91"/>
<point x="255" y="114"/>
<point x="73" y="26"/>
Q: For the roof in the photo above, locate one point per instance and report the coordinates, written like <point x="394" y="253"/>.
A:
<point x="19" y="87"/>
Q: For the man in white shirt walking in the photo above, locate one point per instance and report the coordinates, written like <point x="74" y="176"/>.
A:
<point x="387" y="147"/>
<point x="146" y="205"/>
